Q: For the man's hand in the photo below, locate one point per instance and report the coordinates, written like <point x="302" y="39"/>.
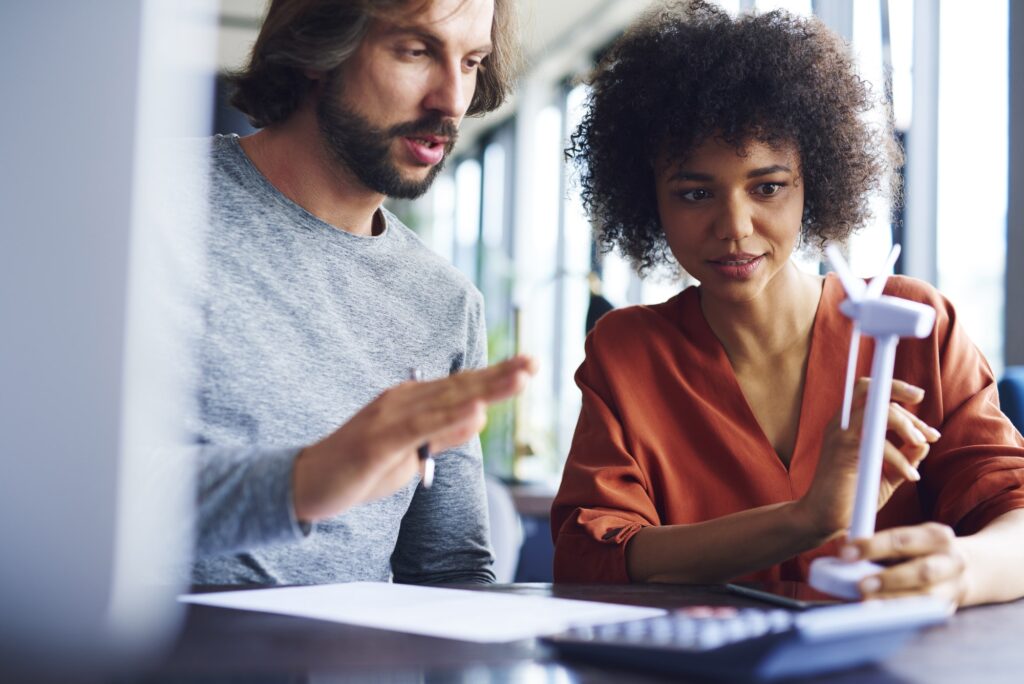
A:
<point x="930" y="560"/>
<point x="374" y="453"/>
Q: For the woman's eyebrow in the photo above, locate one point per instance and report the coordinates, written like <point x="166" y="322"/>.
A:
<point x="767" y="170"/>
<point x="683" y="175"/>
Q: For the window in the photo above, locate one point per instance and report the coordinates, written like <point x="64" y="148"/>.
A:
<point x="972" y="168"/>
<point x="467" y="216"/>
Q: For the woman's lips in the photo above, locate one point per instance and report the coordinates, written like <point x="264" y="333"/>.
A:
<point x="427" y="150"/>
<point x="737" y="267"/>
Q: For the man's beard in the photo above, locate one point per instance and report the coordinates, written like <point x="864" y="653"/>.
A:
<point x="365" y="149"/>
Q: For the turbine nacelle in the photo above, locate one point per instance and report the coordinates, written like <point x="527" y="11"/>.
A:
<point x="886" y="315"/>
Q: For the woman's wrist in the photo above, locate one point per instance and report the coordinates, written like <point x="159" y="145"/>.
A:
<point x="968" y="593"/>
<point x="813" y="529"/>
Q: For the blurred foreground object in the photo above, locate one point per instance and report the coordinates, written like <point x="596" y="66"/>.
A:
<point x="96" y="491"/>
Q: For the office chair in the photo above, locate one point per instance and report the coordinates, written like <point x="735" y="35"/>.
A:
<point x="1011" y="395"/>
<point x="505" y="529"/>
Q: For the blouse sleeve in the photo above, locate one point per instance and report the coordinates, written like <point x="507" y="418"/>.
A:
<point x="604" y="498"/>
<point x="975" y="472"/>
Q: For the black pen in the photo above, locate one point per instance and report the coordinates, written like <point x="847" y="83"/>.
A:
<point x="423" y="450"/>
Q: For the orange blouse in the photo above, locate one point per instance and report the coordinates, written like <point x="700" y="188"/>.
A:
<point x="665" y="435"/>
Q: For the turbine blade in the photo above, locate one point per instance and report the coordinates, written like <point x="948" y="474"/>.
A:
<point x="851" y="370"/>
<point x="854" y="286"/>
<point x="877" y="283"/>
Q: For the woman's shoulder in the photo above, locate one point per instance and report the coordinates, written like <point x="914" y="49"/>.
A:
<point x="918" y="290"/>
<point x="628" y="321"/>
<point x="913" y="289"/>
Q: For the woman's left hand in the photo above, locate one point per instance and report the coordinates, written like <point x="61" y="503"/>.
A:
<point x="929" y="559"/>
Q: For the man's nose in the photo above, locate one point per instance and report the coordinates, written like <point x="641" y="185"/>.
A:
<point x="450" y="91"/>
<point x="735" y="221"/>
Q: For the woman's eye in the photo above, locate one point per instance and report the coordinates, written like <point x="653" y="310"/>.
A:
<point x="769" y="189"/>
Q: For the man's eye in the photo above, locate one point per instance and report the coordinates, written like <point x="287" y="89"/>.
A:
<point x="413" y="53"/>
<point x="696" y="195"/>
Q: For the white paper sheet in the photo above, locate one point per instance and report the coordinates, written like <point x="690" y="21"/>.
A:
<point x="481" y="616"/>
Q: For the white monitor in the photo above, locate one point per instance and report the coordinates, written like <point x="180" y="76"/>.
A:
<point x="95" y="482"/>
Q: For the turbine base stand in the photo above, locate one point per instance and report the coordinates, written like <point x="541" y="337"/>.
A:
<point x="840" y="578"/>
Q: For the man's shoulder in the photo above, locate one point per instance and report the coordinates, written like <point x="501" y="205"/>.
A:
<point x="190" y="162"/>
<point x="187" y="153"/>
<point x="212" y="157"/>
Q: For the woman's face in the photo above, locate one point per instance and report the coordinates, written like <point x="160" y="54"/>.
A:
<point x="731" y="218"/>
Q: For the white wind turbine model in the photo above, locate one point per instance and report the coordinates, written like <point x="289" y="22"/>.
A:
<point x="886" y="319"/>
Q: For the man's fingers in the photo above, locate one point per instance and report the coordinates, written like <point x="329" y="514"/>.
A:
<point x="490" y="384"/>
<point x="431" y="423"/>
<point x="459" y="433"/>
<point x="447" y="411"/>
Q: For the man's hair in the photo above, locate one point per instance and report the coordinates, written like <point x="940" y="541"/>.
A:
<point x="319" y="35"/>
<point x="688" y="72"/>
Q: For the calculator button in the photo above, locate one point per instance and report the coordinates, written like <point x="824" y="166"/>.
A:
<point x="711" y="635"/>
<point x="779" y="620"/>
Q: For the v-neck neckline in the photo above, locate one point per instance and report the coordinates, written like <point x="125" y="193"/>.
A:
<point x="812" y="377"/>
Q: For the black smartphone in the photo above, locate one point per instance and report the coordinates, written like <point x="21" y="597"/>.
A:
<point x="788" y="594"/>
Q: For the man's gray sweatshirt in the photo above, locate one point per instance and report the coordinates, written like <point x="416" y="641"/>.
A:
<point x="303" y="325"/>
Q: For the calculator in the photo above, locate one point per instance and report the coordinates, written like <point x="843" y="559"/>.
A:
<point x="760" y="644"/>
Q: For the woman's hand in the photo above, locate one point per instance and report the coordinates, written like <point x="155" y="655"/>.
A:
<point x="828" y="504"/>
<point x="930" y="560"/>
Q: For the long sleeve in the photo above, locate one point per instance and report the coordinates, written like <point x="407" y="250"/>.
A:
<point x="444" y="535"/>
<point x="245" y="500"/>
<point x="975" y="472"/>
<point x="604" y="497"/>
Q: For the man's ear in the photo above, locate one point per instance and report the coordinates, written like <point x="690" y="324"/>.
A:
<point x="317" y="81"/>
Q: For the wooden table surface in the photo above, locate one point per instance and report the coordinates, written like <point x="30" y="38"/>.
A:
<point x="984" y="645"/>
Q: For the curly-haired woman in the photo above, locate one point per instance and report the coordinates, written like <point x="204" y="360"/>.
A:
<point x="708" y="446"/>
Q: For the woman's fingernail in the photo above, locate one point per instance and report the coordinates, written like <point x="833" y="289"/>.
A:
<point x="934" y="433"/>
<point x="914" y="475"/>
<point x="849" y="553"/>
<point x="870" y="585"/>
<point x="918" y="436"/>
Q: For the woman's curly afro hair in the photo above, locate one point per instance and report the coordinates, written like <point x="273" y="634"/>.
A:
<point x="688" y="72"/>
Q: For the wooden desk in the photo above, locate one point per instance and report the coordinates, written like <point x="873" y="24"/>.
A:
<point x="979" y="645"/>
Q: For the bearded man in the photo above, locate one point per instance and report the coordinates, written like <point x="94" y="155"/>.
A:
<point x="319" y="302"/>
